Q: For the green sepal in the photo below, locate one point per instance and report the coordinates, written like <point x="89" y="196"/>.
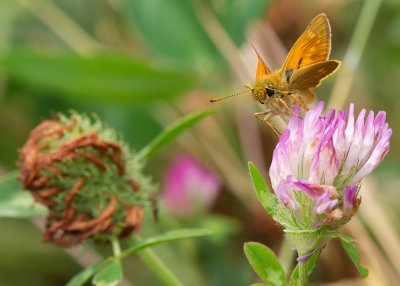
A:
<point x="261" y="189"/>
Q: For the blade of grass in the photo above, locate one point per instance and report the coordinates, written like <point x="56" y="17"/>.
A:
<point x="62" y="25"/>
<point x="353" y="54"/>
<point x="166" y="237"/>
<point x="102" y="77"/>
<point x="170" y="132"/>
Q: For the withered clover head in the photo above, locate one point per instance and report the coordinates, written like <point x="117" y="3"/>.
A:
<point x="86" y="177"/>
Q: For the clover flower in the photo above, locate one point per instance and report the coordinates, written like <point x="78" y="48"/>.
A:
<point x="87" y="179"/>
<point x="318" y="164"/>
<point x="189" y="186"/>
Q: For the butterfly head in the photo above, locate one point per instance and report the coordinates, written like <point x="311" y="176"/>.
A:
<point x="261" y="93"/>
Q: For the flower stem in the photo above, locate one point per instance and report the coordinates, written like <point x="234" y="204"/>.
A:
<point x="303" y="274"/>
<point x="116" y="247"/>
<point x="156" y="265"/>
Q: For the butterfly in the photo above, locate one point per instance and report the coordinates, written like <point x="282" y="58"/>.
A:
<point x="306" y="65"/>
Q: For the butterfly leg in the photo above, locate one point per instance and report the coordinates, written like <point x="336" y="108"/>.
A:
<point x="264" y="117"/>
<point x="299" y="101"/>
<point x="284" y="104"/>
<point x="310" y="96"/>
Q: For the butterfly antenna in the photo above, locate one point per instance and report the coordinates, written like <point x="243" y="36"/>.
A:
<point x="215" y="99"/>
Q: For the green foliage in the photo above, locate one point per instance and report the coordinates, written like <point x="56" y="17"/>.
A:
<point x="173" y="31"/>
<point x="264" y="195"/>
<point x="115" y="78"/>
<point x="310" y="265"/>
<point x="265" y="263"/>
<point x="170" y="133"/>
<point x="16" y="203"/>
<point x="110" y="275"/>
<point x="82" y="277"/>
<point x="110" y="269"/>
<point x="352" y="251"/>
<point x="176" y="29"/>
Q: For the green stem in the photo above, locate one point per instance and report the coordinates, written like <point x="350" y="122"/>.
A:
<point x="303" y="274"/>
<point x="156" y="265"/>
<point x="116" y="246"/>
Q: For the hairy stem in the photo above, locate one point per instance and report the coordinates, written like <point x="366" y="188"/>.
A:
<point x="303" y="274"/>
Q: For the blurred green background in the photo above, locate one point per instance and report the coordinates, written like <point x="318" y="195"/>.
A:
<point x="140" y="65"/>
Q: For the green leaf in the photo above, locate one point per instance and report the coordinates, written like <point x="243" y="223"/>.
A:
<point x="261" y="284"/>
<point x="82" y="277"/>
<point x="16" y="203"/>
<point x="172" y="30"/>
<point x="352" y="251"/>
<point x="310" y="264"/>
<point x="265" y="263"/>
<point x="114" y="78"/>
<point x="262" y="191"/>
<point x="110" y="275"/>
<point x="169" y="133"/>
<point x="166" y="237"/>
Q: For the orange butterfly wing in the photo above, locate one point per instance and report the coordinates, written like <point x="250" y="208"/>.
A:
<point x="313" y="46"/>
<point x="262" y="70"/>
<point x="311" y="75"/>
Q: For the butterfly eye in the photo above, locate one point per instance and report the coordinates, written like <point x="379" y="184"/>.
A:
<point x="270" y="91"/>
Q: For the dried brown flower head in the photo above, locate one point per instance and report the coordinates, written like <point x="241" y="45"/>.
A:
<point x="86" y="178"/>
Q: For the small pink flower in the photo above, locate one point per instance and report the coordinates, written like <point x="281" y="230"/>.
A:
<point x="325" y="156"/>
<point x="188" y="186"/>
